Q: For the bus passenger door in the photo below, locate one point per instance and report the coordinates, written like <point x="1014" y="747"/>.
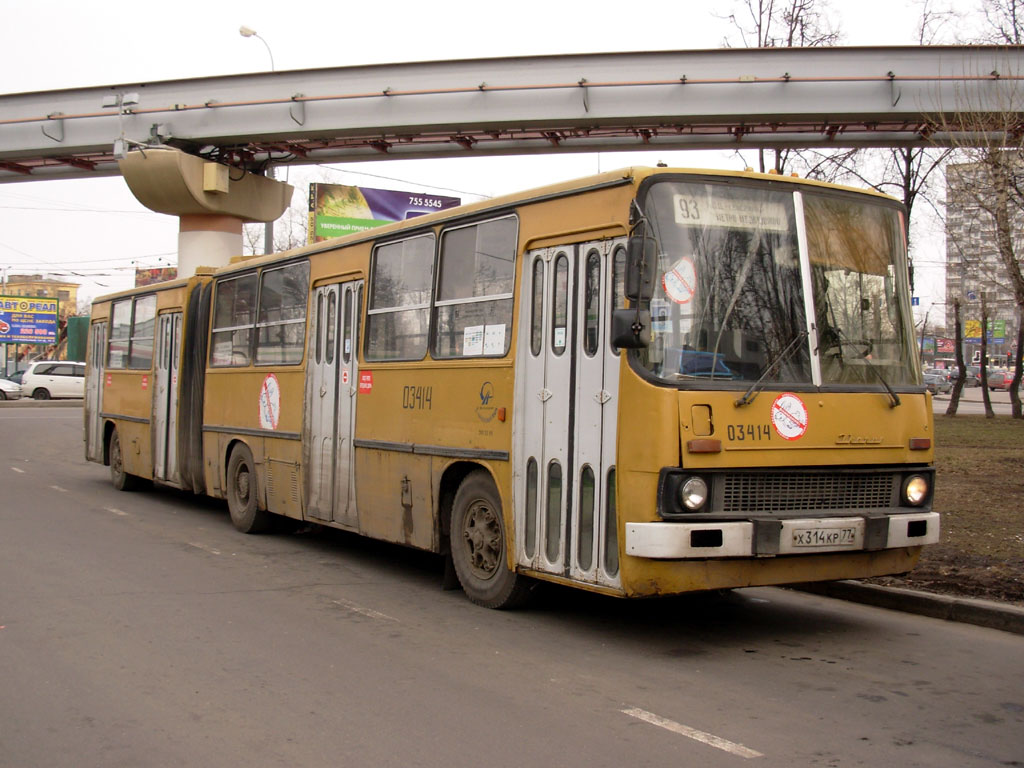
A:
<point x="321" y="400"/>
<point x="332" y="377"/>
<point x="595" y="405"/>
<point x="351" y="298"/>
<point x="567" y="399"/>
<point x="165" y="398"/>
<point x="543" y="419"/>
<point x="94" y="383"/>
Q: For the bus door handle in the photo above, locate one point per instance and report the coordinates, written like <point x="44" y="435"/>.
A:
<point x="323" y="390"/>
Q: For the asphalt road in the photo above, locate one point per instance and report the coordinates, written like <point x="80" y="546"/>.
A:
<point x="140" y="629"/>
<point x="971" y="402"/>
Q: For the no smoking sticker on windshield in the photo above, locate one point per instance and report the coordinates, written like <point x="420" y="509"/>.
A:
<point x="680" y="282"/>
<point x="789" y="416"/>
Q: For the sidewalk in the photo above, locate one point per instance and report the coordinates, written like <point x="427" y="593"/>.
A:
<point x="983" y="613"/>
<point x="28" y="402"/>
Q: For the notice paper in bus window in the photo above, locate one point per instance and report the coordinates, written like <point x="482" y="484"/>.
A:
<point x="473" y="340"/>
<point x="704" y="211"/>
<point x="494" y="340"/>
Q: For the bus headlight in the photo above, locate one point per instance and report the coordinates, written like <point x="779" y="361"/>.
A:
<point x="915" y="490"/>
<point x="693" y="493"/>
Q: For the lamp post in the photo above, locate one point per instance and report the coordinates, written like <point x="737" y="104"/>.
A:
<point x="245" y="31"/>
<point x="268" y="229"/>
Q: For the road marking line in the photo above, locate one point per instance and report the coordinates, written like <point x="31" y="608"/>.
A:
<point x="692" y="733"/>
<point x="116" y="511"/>
<point x="356" y="608"/>
<point x="19" y="471"/>
<point x="58" y="488"/>
<point x="205" y="548"/>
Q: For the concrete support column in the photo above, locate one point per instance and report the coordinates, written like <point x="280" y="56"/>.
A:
<point x="207" y="240"/>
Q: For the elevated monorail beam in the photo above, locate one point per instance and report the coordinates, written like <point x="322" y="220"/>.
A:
<point x="729" y="98"/>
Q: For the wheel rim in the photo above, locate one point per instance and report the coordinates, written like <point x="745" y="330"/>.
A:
<point x="481" y="533"/>
<point x="115" y="456"/>
<point x="242" y="485"/>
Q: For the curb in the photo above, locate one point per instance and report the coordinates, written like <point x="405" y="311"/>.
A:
<point x="983" y="613"/>
<point x="28" y="402"/>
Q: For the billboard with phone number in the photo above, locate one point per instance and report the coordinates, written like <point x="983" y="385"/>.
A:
<point x="28" y="320"/>
<point x="337" y="209"/>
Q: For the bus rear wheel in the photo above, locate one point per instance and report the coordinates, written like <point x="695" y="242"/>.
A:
<point x="478" y="545"/>
<point x="243" y="499"/>
<point x="120" y="479"/>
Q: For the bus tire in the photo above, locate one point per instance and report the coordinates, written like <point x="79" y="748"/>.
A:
<point x="120" y="479"/>
<point x="243" y="498"/>
<point x="478" y="545"/>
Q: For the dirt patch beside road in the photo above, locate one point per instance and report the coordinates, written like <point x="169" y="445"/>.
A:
<point x="979" y="490"/>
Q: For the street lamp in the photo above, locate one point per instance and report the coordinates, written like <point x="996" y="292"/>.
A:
<point x="268" y="228"/>
<point x="245" y="31"/>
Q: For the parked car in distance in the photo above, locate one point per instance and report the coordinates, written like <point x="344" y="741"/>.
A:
<point x="9" y="390"/>
<point x="16" y="376"/>
<point x="44" y="379"/>
<point x="943" y="373"/>
<point x="973" y="375"/>
<point x="937" y="385"/>
<point x="1000" y="380"/>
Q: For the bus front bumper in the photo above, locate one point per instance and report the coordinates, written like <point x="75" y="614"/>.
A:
<point x="765" y="538"/>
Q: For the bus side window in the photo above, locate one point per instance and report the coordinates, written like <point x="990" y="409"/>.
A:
<point x="473" y="311"/>
<point x="281" y="324"/>
<point x="234" y="314"/>
<point x="120" y="333"/>
<point x="399" y="311"/>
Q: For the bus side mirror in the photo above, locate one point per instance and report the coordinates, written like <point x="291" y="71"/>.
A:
<point x="641" y="263"/>
<point x="631" y="329"/>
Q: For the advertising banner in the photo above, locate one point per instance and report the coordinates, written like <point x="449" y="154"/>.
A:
<point x="928" y="345"/>
<point x="337" y="209"/>
<point x="28" y="320"/>
<point x="156" y="275"/>
<point x="996" y="331"/>
<point x="945" y="346"/>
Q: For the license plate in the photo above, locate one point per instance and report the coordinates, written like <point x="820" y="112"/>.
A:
<point x="824" y="537"/>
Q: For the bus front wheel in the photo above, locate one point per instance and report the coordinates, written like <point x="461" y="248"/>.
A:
<point x="121" y="480"/>
<point x="243" y="500"/>
<point x="478" y="545"/>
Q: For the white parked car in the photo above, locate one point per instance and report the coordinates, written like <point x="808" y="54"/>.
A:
<point x="9" y="390"/>
<point x="53" y="378"/>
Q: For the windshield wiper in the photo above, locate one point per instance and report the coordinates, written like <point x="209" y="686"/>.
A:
<point x="755" y="388"/>
<point x="894" y="399"/>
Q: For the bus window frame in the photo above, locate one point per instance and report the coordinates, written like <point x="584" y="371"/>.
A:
<point x="132" y="336"/>
<point x="371" y="311"/>
<point x="254" y="327"/>
<point x="303" y="321"/>
<point x="434" y="327"/>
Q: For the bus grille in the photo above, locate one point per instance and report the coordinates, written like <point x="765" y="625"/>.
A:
<point x="795" y="491"/>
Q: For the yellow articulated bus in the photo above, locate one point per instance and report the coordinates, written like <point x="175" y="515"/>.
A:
<point x="646" y="382"/>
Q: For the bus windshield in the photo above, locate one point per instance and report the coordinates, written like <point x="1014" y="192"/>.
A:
<point x="729" y="300"/>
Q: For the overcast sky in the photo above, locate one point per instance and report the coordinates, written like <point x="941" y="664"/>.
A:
<point x="96" y="228"/>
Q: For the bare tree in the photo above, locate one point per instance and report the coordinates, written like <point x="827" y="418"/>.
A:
<point x="1004" y="21"/>
<point x="988" y="187"/>
<point x="961" y="379"/>
<point x="289" y="230"/>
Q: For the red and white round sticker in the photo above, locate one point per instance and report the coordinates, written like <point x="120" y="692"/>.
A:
<point x="789" y="416"/>
<point x="270" y="402"/>
<point x="680" y="282"/>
